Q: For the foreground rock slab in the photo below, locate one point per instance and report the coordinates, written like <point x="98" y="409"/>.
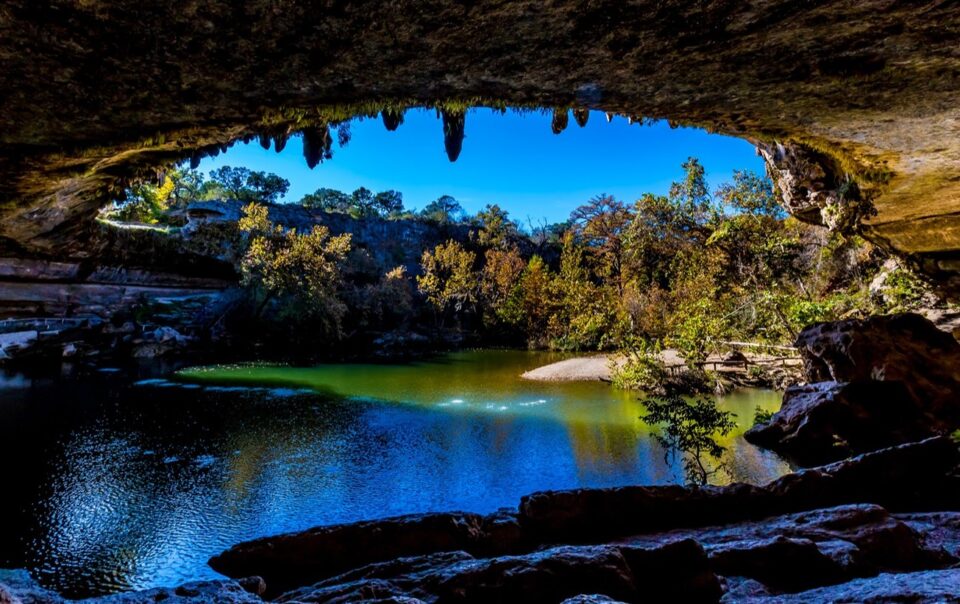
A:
<point x="926" y="587"/>
<point x="677" y="571"/>
<point x="820" y="547"/>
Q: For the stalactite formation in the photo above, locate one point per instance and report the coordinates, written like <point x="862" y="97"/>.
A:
<point x="453" y="132"/>
<point x="581" y="116"/>
<point x="392" y="119"/>
<point x="560" y="120"/>
<point x="317" y="145"/>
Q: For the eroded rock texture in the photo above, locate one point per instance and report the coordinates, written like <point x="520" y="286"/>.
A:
<point x="100" y="91"/>
<point x="873" y="383"/>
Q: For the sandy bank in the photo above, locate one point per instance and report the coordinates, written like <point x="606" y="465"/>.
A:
<point x="598" y="367"/>
<point x="579" y="369"/>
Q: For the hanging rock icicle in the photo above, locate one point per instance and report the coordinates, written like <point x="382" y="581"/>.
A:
<point x="560" y="120"/>
<point x="391" y="119"/>
<point x="317" y="144"/>
<point x="279" y="142"/>
<point x="453" y="127"/>
<point x="264" y="140"/>
<point x="581" y="116"/>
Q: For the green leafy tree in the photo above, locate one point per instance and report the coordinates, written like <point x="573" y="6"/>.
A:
<point x="329" y="200"/>
<point x="600" y="224"/>
<point x="443" y="210"/>
<point x="689" y="429"/>
<point x="146" y="203"/>
<point x="248" y="186"/>
<point x="496" y="228"/>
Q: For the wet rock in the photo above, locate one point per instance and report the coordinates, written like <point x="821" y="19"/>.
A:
<point x="827" y="421"/>
<point x="303" y="558"/>
<point x="925" y="587"/>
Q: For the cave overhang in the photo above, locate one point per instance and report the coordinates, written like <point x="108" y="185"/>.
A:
<point x="97" y="93"/>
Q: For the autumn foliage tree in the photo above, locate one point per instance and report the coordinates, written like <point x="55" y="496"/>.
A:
<point x="300" y="270"/>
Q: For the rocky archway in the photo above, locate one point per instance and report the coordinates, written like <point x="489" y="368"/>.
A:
<point x="854" y="102"/>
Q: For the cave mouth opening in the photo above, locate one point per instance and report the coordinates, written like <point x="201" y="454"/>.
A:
<point x="540" y="163"/>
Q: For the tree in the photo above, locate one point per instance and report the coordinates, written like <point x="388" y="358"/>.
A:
<point x="692" y="191"/>
<point x="600" y="225"/>
<point x="232" y="181"/>
<point x="752" y="194"/>
<point x="499" y="277"/>
<point x="302" y="269"/>
<point x="362" y="202"/>
<point x="266" y="187"/>
<point x="250" y="187"/>
<point x="448" y="280"/>
<point x="689" y="428"/>
<point x="188" y="187"/>
<point x="445" y="209"/>
<point x="388" y="203"/>
<point x="496" y="228"/>
<point x="145" y="202"/>
<point x="329" y="200"/>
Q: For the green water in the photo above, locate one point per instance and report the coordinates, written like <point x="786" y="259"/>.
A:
<point x="601" y="420"/>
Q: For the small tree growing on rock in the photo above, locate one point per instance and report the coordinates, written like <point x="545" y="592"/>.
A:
<point x="690" y="428"/>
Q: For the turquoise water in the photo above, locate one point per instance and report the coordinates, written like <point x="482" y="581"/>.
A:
<point x="124" y="485"/>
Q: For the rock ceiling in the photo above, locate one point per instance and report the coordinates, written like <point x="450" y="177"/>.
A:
<point x="96" y="92"/>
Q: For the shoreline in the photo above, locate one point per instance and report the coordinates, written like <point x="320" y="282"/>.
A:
<point x="598" y="367"/>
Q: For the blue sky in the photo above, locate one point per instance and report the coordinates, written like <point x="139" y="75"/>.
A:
<point x="513" y="160"/>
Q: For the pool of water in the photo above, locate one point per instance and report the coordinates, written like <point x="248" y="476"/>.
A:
<point x="114" y="483"/>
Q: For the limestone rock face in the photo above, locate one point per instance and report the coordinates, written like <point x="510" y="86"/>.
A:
<point x="874" y="383"/>
<point x="904" y="348"/>
<point x="826" y="421"/>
